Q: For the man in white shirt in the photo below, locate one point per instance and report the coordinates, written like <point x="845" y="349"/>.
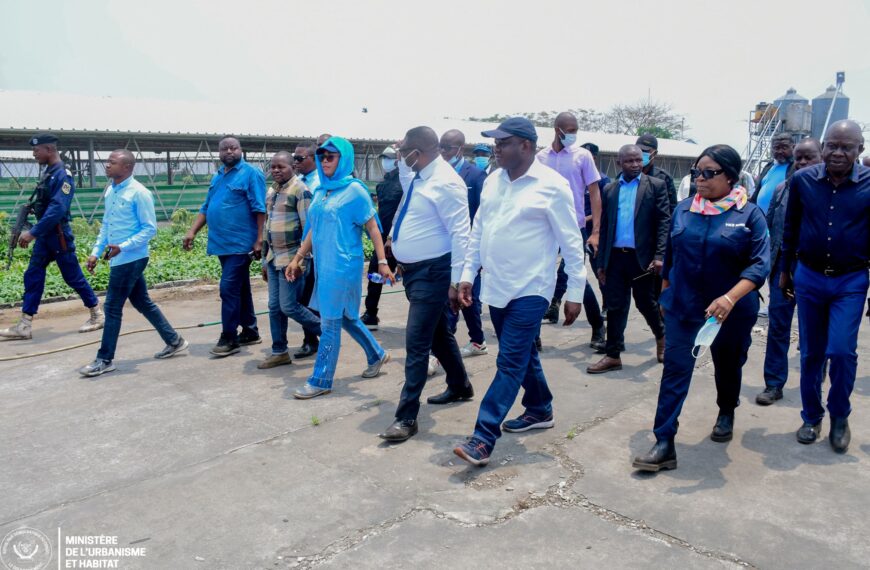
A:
<point x="429" y="240"/>
<point x="526" y="214"/>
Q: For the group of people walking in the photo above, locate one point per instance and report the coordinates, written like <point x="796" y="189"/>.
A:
<point x="461" y="233"/>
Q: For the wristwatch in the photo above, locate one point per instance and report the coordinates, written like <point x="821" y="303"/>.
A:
<point x="382" y="262"/>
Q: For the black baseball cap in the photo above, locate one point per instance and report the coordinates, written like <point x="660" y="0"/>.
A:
<point x="514" y="127"/>
<point x="43" y="138"/>
<point x="648" y="140"/>
<point x="591" y="147"/>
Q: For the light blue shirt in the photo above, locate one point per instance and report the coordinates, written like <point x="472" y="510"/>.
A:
<point x="312" y="180"/>
<point x="234" y="200"/>
<point x="129" y="222"/>
<point x="625" y="212"/>
<point x="768" y="185"/>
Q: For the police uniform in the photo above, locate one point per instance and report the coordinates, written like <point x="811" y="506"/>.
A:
<point x="54" y="239"/>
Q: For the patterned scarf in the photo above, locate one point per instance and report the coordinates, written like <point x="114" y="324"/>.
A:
<point x="738" y="196"/>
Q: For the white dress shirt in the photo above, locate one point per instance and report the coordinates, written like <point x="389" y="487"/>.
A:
<point x="516" y="237"/>
<point x="437" y="221"/>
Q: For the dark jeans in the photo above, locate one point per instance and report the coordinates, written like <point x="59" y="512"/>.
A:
<point x="373" y="290"/>
<point x="127" y="281"/>
<point x="780" y="314"/>
<point x="237" y="303"/>
<point x="283" y="304"/>
<point x="517" y="363"/>
<point x="830" y="310"/>
<point x="34" y="276"/>
<point x="728" y="350"/>
<point x="426" y="285"/>
<point x="472" y="315"/>
<point x="621" y="284"/>
<point x="590" y="301"/>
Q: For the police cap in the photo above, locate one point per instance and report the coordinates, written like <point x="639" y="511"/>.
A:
<point x="43" y="138"/>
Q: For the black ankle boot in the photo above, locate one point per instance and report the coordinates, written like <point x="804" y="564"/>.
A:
<point x="724" y="428"/>
<point x="662" y="455"/>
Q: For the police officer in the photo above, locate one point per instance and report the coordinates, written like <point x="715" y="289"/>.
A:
<point x="54" y="241"/>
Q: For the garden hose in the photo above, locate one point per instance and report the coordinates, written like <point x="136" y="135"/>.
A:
<point x="90" y="342"/>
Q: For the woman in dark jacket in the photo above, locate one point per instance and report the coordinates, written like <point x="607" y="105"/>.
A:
<point x="718" y="255"/>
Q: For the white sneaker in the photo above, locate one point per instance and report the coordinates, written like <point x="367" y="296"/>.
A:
<point x="473" y="349"/>
<point x="434" y="366"/>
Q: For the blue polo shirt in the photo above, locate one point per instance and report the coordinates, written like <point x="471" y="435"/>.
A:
<point x="234" y="199"/>
<point x="624" y="236"/>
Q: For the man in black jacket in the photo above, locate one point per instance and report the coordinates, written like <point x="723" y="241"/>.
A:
<point x="635" y="218"/>
<point x="389" y="194"/>
<point x="649" y="146"/>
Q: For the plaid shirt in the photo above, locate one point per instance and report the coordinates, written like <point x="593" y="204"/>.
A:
<point x="286" y="210"/>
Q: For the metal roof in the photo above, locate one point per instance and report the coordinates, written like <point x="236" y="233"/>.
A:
<point x="82" y="117"/>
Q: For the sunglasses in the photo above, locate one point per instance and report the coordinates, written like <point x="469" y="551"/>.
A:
<point x="706" y="174"/>
<point x="327" y="156"/>
<point x="299" y="157"/>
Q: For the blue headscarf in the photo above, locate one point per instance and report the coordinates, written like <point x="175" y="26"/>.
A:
<point x="343" y="175"/>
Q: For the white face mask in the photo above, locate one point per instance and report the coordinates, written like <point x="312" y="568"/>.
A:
<point x="405" y="161"/>
<point x="388" y="164"/>
<point x="705" y="337"/>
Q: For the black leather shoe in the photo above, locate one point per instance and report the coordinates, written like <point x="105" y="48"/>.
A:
<point x="538" y="344"/>
<point x="663" y="455"/>
<point x="597" y="341"/>
<point x="840" y="435"/>
<point x="448" y="396"/>
<point x="724" y="428"/>
<point x="307" y="349"/>
<point x="769" y="396"/>
<point x="400" y="430"/>
<point x="809" y="433"/>
<point x="552" y="314"/>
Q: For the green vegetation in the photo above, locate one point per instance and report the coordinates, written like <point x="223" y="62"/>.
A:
<point x="169" y="262"/>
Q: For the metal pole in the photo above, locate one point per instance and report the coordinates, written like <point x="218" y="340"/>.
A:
<point x="92" y="167"/>
<point x="831" y="110"/>
<point x="168" y="168"/>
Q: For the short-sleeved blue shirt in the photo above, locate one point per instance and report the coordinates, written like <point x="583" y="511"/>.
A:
<point x="336" y="222"/>
<point x="234" y="199"/>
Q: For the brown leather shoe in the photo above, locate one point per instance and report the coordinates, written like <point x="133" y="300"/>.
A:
<point x="606" y="364"/>
<point x="660" y="349"/>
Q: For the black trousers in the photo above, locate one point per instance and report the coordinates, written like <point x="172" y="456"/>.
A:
<point x="426" y="284"/>
<point x="622" y="281"/>
<point x="373" y="291"/>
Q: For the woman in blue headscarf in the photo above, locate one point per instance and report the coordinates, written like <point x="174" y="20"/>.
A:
<point x="340" y="209"/>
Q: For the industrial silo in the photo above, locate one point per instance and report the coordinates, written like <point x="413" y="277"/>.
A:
<point x="822" y="103"/>
<point x="795" y="113"/>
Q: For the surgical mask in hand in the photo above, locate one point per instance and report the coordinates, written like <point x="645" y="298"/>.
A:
<point x="705" y="337"/>
<point x="482" y="162"/>
<point x="568" y="139"/>
<point x="645" y="158"/>
<point x="388" y="164"/>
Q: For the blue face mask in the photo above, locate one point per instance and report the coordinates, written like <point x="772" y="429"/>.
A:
<point x="568" y="139"/>
<point x="645" y="158"/>
<point x="455" y="160"/>
<point x="482" y="162"/>
<point x="706" y="336"/>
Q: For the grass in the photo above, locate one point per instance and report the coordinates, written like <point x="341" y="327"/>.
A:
<point x="315" y="421"/>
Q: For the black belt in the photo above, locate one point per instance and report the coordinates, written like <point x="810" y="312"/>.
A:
<point x="829" y="271"/>
<point x="624" y="249"/>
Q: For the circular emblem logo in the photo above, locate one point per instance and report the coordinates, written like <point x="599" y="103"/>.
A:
<point x="25" y="549"/>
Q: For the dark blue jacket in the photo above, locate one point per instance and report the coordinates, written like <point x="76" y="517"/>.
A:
<point x="473" y="177"/>
<point x="707" y="255"/>
<point x="55" y="195"/>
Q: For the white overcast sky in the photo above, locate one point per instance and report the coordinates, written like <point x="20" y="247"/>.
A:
<point x="712" y="61"/>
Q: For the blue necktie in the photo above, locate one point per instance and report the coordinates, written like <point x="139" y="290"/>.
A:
<point x="404" y="209"/>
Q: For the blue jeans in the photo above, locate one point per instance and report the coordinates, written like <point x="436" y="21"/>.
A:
<point x="470" y="314"/>
<point x="330" y="344"/>
<point x="517" y="363"/>
<point x="34" y="276"/>
<point x="127" y="281"/>
<point x="780" y="313"/>
<point x="283" y="304"/>
<point x="829" y="315"/>
<point x="729" y="351"/>
<point x="237" y="303"/>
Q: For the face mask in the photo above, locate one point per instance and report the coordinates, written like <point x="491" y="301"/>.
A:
<point x="406" y="174"/>
<point x="646" y="159"/>
<point x="482" y="162"/>
<point x="454" y="161"/>
<point x="568" y="139"/>
<point x="705" y="337"/>
<point x="405" y="162"/>
<point x="388" y="164"/>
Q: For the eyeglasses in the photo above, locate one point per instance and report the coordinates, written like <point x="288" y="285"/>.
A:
<point x="299" y="157"/>
<point x="706" y="174"/>
<point x="328" y="156"/>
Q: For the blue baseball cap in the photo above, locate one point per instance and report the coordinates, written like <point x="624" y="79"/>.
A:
<point x="514" y="127"/>
<point x="482" y="148"/>
<point x="327" y="147"/>
<point x="43" y="138"/>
